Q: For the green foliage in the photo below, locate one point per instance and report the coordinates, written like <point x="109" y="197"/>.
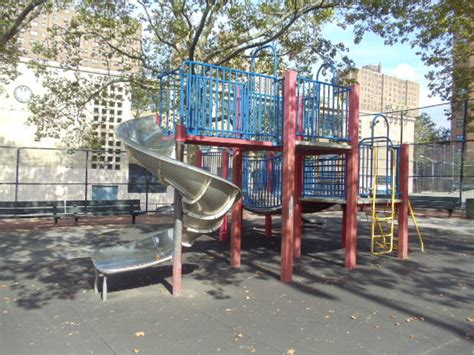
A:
<point x="426" y="131"/>
<point x="138" y="40"/>
<point x="441" y="31"/>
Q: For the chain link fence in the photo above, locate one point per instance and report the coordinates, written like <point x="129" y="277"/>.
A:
<point x="45" y="174"/>
<point x="442" y="169"/>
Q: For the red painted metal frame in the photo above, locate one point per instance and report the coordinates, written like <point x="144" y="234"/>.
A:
<point x="225" y="175"/>
<point x="403" y="206"/>
<point x="231" y="143"/>
<point x="352" y="190"/>
<point x="237" y="209"/>
<point x="289" y="177"/>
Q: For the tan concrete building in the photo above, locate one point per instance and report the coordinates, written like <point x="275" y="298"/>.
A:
<point x="385" y="93"/>
<point x="91" y="51"/>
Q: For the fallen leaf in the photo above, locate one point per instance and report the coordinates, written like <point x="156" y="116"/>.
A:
<point x="470" y="319"/>
<point x="327" y="316"/>
<point x="240" y="335"/>
<point x="140" y="334"/>
<point x="376" y="326"/>
<point x="136" y="351"/>
<point x="353" y="316"/>
<point x="228" y="310"/>
<point x="412" y="337"/>
<point x="397" y="324"/>
<point x="291" y="351"/>
<point x="393" y="316"/>
<point x="332" y="311"/>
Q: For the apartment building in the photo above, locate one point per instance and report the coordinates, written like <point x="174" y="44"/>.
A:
<point x="386" y="93"/>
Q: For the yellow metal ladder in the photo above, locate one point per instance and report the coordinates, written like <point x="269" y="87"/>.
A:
<point x="383" y="242"/>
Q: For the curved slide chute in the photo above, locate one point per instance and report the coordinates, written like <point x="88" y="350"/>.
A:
<point x="206" y="197"/>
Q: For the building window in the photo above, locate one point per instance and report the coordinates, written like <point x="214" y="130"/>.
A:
<point x="459" y="137"/>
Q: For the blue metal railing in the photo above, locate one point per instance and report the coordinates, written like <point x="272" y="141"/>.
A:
<point x="212" y="162"/>
<point x="324" y="176"/>
<point x="386" y="153"/>
<point x="229" y="103"/>
<point x="322" y="111"/>
<point x="167" y="100"/>
<point x="262" y="182"/>
<point x="216" y="101"/>
<point x="385" y="171"/>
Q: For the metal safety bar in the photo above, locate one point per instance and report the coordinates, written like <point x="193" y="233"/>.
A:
<point x="212" y="162"/>
<point x="324" y="176"/>
<point x="322" y="111"/>
<point x="262" y="181"/>
<point x="229" y="103"/>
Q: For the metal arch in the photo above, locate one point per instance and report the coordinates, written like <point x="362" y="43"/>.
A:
<point x="372" y="128"/>
<point x="333" y="71"/>
<point x="275" y="58"/>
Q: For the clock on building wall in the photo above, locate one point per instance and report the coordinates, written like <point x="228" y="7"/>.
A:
<point x="22" y="93"/>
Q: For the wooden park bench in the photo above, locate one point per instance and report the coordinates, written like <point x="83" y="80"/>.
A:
<point x="31" y="209"/>
<point x="81" y="208"/>
<point x="447" y="203"/>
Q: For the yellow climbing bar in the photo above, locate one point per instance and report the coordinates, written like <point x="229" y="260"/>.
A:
<point x="420" y="238"/>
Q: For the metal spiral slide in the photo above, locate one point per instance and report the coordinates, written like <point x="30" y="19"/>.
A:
<point x="206" y="199"/>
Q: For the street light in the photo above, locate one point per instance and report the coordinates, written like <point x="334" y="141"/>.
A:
<point x="432" y="171"/>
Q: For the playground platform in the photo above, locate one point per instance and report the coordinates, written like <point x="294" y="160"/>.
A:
<point x="420" y="305"/>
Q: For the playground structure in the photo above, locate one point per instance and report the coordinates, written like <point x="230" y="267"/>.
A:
<point x="306" y="131"/>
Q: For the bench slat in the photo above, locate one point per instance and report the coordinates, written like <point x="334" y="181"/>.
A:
<point x="93" y="209"/>
<point x="33" y="210"/>
<point x="28" y="204"/>
<point x="104" y="203"/>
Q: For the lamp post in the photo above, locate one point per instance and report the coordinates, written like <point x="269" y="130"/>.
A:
<point x="432" y="171"/>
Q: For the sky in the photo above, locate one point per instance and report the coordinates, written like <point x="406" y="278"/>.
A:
<point x="399" y="60"/>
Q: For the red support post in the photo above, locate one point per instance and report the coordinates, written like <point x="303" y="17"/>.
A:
<point x="225" y="175"/>
<point x="268" y="225"/>
<point x="298" y="208"/>
<point x="198" y="159"/>
<point x="352" y="174"/>
<point x="289" y="177"/>
<point x="236" y="233"/>
<point x="403" y="206"/>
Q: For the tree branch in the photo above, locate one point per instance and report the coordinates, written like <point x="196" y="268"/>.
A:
<point x="202" y="22"/>
<point x="284" y="25"/>
<point x="155" y="31"/>
<point x="18" y="24"/>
